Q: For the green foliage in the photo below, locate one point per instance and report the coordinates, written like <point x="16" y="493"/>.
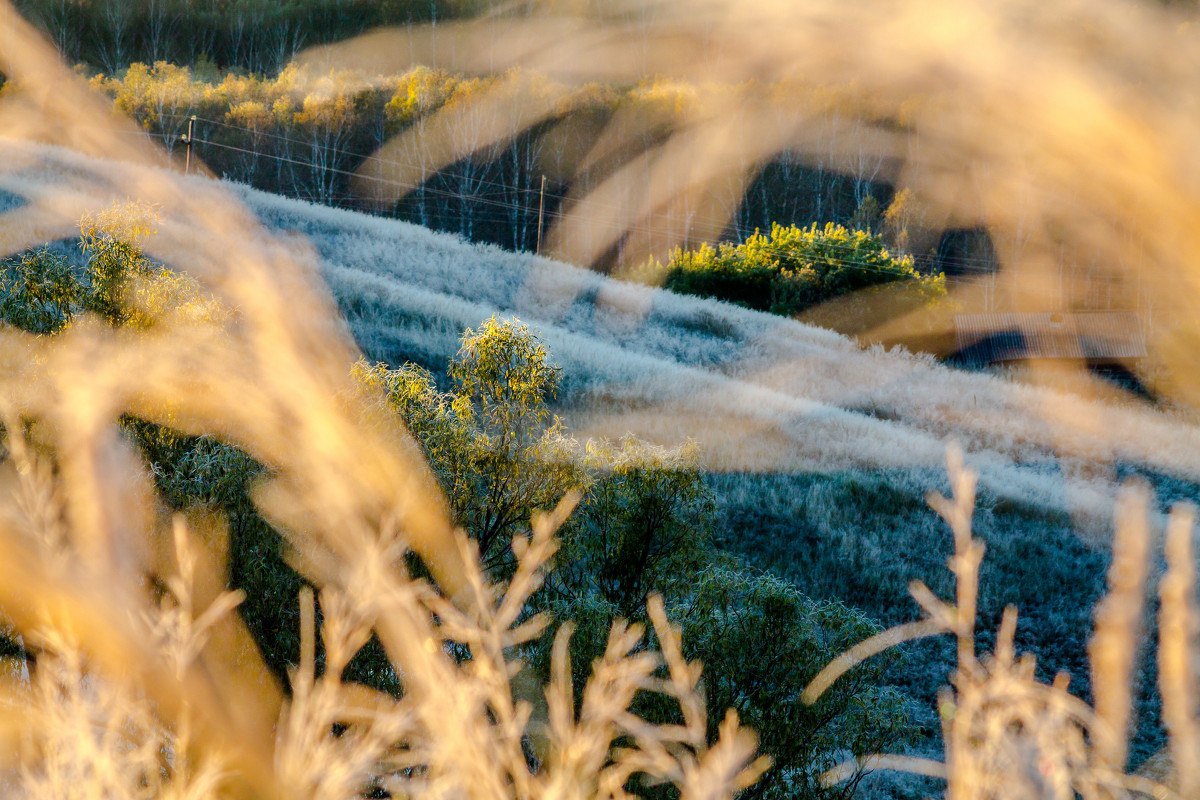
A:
<point x="492" y="441"/>
<point x="504" y="371"/>
<point x="442" y="422"/>
<point x="439" y="420"/>
<point x="761" y="641"/>
<point x="113" y="263"/>
<point x="194" y="470"/>
<point x="644" y="525"/>
<point x="794" y="269"/>
<point x="39" y="292"/>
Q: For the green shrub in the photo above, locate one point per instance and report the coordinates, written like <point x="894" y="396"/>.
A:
<point x="795" y="269"/>
<point x="39" y="292"/>
<point x="492" y="441"/>
<point x="645" y="524"/>
<point x="761" y="641"/>
<point x="42" y="292"/>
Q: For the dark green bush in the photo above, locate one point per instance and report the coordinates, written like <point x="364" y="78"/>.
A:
<point x="761" y="641"/>
<point x="645" y="525"/>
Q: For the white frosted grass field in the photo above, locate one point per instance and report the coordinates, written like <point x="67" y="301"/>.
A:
<point x="759" y="393"/>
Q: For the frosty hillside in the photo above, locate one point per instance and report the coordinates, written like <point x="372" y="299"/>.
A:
<point x="757" y="391"/>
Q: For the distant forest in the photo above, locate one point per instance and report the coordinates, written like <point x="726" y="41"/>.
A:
<point x="305" y="136"/>
<point x="282" y="130"/>
<point x="255" y="35"/>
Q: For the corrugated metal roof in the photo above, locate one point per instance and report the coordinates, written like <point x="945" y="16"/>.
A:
<point x="1088" y="335"/>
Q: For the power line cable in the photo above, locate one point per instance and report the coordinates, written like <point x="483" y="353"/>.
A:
<point x="961" y="264"/>
<point x="508" y="207"/>
<point x="984" y="265"/>
<point x="964" y="264"/>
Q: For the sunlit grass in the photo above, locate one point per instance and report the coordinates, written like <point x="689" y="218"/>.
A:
<point x="1056" y="128"/>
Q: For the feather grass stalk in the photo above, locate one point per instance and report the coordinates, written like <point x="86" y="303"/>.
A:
<point x="1113" y="648"/>
<point x="1177" y="641"/>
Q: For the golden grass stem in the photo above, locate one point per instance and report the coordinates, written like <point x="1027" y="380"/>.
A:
<point x="864" y="650"/>
<point x="1177" y="636"/>
<point x="1113" y="648"/>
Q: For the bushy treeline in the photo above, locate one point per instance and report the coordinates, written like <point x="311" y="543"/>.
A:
<point x="303" y="135"/>
<point x="794" y="269"/>
<point x="253" y="35"/>
<point x="643" y="525"/>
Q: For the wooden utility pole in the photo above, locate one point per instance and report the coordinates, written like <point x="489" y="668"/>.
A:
<point x="188" y="138"/>
<point x="541" y="210"/>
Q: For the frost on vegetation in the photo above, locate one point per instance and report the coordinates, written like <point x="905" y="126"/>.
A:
<point x="624" y="346"/>
<point x="643" y="525"/>
<point x="409" y="291"/>
<point x="144" y="684"/>
<point x="1007" y="735"/>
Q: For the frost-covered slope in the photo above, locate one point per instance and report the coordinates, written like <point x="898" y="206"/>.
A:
<point x="759" y="392"/>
